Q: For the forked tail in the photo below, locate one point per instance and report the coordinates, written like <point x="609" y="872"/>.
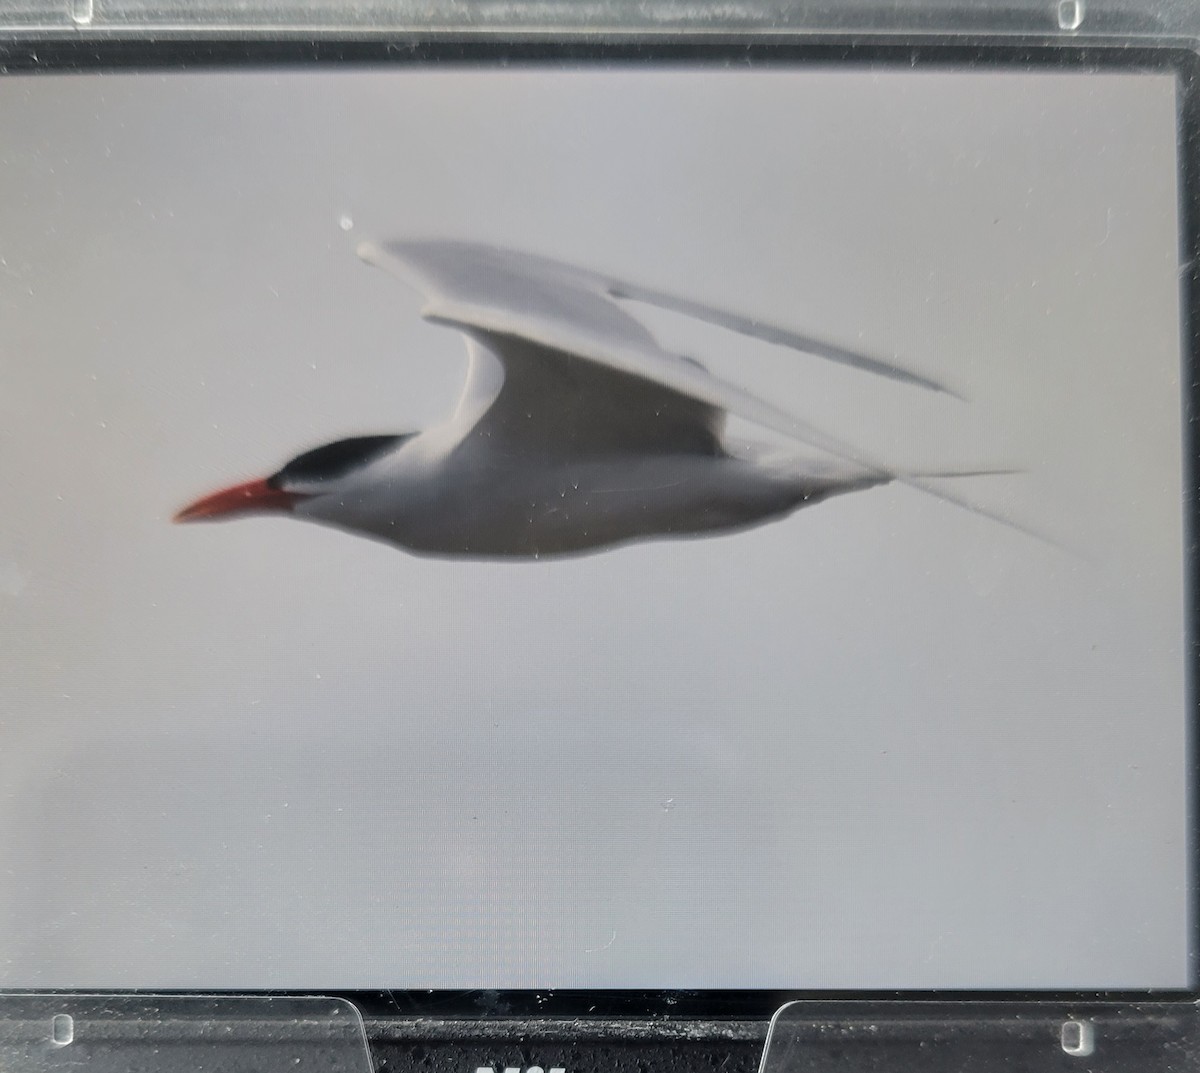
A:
<point x="949" y="474"/>
<point x="920" y="481"/>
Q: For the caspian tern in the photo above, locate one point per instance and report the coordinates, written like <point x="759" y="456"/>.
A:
<point x="576" y="431"/>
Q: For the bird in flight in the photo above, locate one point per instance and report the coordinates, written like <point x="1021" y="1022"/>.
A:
<point x="575" y="432"/>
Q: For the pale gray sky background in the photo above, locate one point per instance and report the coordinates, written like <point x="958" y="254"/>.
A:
<point x="883" y="743"/>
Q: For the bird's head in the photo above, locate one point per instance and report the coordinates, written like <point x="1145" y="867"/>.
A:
<point x="319" y="472"/>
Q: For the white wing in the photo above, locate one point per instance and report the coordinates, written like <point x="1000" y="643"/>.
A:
<point x="498" y="296"/>
<point x="570" y="307"/>
<point x="501" y="294"/>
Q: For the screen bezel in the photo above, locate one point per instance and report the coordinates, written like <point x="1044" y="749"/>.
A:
<point x="74" y="54"/>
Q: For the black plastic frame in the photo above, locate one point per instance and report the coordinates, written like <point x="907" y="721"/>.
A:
<point x="127" y="50"/>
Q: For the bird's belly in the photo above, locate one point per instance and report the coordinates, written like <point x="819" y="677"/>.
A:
<point x="572" y="509"/>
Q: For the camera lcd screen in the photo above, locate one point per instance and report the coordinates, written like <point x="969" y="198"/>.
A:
<point x="602" y="527"/>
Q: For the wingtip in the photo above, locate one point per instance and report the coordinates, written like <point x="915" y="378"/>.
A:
<point x="950" y="392"/>
<point x="370" y="252"/>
